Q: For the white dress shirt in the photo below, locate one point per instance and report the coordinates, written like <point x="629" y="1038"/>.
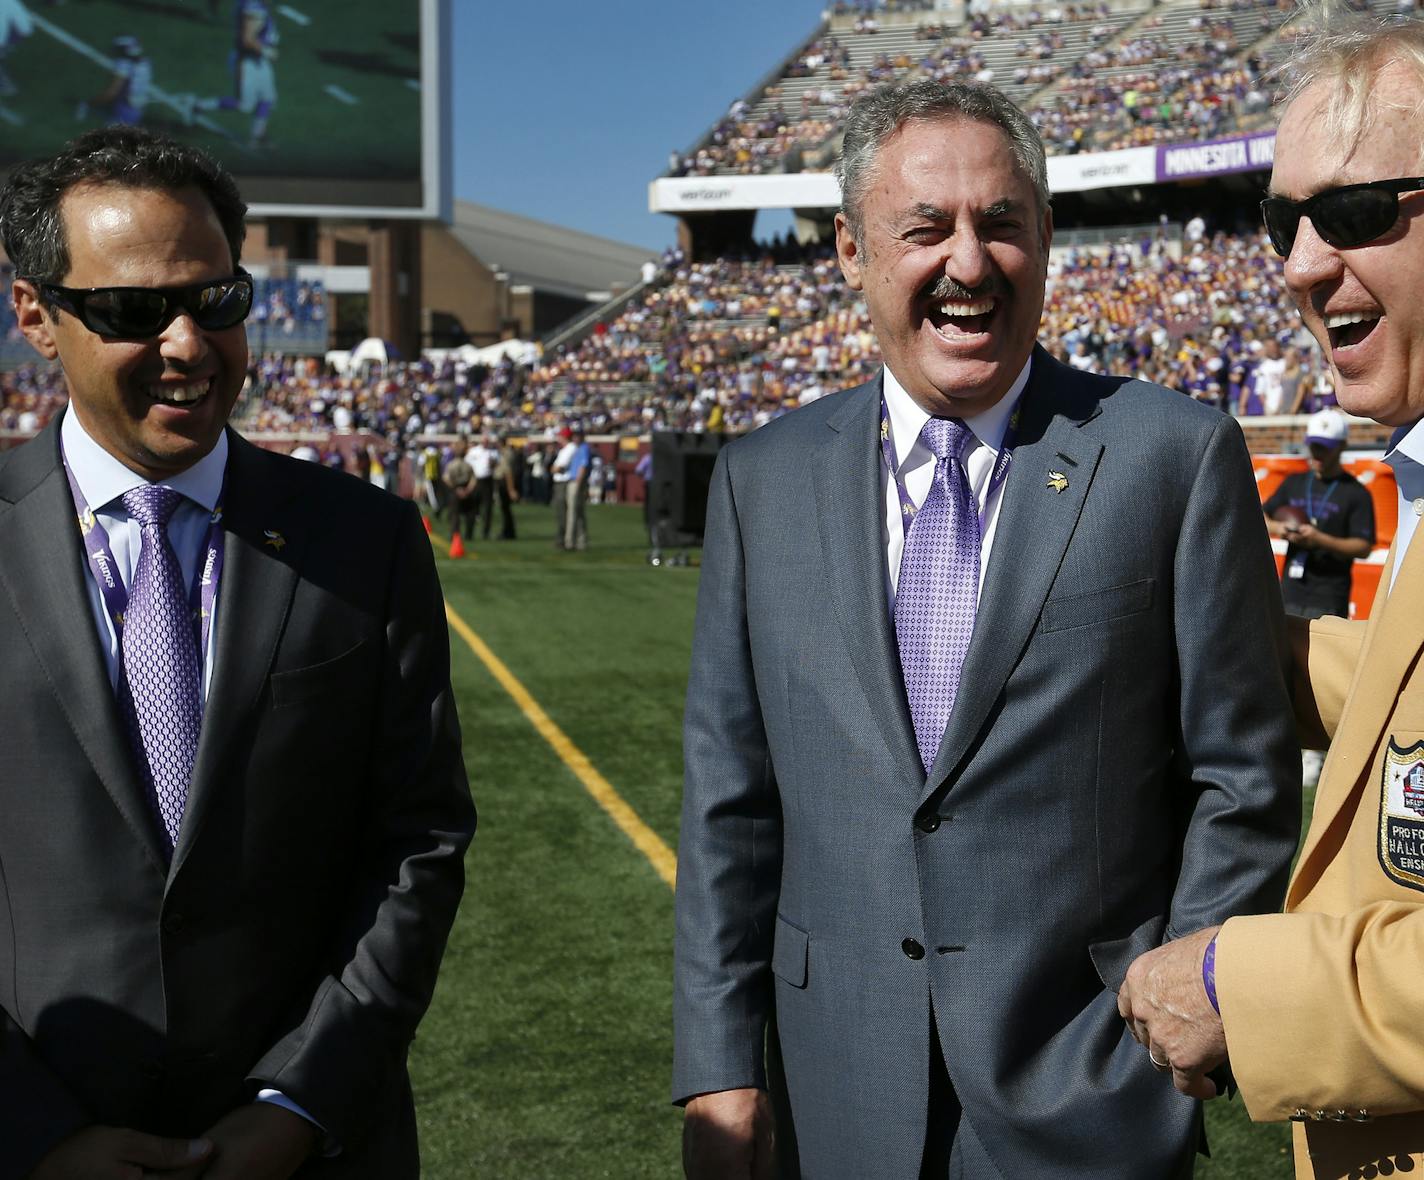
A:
<point x="102" y="480"/>
<point x="915" y="464"/>
<point x="1411" y="446"/>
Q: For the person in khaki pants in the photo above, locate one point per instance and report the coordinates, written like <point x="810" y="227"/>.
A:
<point x="1319" y="1009"/>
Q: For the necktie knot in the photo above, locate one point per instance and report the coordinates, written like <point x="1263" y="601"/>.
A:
<point x="151" y="505"/>
<point x="947" y="438"/>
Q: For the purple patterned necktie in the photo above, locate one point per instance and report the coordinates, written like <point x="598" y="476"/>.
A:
<point x="938" y="590"/>
<point x="160" y="661"/>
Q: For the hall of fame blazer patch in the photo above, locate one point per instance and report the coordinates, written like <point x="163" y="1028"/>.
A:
<point x="1401" y="834"/>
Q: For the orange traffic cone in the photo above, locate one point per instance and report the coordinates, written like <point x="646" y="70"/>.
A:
<point x="425" y="520"/>
<point x="457" y="545"/>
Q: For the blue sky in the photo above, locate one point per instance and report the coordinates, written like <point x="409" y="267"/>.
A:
<point x="564" y="111"/>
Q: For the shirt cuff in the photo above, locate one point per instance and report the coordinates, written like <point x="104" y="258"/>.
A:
<point x="326" y="1147"/>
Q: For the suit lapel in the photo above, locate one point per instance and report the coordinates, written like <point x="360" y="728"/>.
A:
<point x="262" y="537"/>
<point x="44" y="577"/>
<point x="1392" y="642"/>
<point x="850" y="509"/>
<point x="1034" y="527"/>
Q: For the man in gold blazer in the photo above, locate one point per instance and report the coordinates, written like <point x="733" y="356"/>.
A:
<point x="1320" y="1010"/>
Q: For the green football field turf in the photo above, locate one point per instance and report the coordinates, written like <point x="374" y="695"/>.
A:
<point x="547" y="1050"/>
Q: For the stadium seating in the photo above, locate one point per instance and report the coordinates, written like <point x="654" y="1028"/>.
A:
<point x="730" y="343"/>
<point x="1093" y="76"/>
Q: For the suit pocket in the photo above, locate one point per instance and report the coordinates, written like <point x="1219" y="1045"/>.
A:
<point x="1113" y="956"/>
<point x="296" y="685"/>
<point x="1096" y="606"/>
<point x="790" y="951"/>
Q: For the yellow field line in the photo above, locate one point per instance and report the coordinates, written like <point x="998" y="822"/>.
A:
<point x="647" y="841"/>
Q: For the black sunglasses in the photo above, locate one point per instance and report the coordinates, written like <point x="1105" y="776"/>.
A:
<point x="1349" y="215"/>
<point x="140" y="313"/>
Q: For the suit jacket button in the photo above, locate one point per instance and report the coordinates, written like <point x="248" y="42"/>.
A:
<point x="153" y="1070"/>
<point x="929" y="823"/>
<point x="912" y="949"/>
<point x="174" y="923"/>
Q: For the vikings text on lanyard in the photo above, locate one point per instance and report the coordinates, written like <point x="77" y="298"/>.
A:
<point x="116" y="597"/>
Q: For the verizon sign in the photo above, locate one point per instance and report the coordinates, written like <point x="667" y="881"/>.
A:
<point x="798" y="190"/>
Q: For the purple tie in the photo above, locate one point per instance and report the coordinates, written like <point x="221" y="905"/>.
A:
<point x="938" y="590"/>
<point x="160" y="661"/>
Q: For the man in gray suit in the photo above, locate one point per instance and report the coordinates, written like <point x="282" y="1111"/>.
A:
<point x="987" y="695"/>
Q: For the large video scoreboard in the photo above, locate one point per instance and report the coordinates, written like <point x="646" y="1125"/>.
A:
<point x="319" y="107"/>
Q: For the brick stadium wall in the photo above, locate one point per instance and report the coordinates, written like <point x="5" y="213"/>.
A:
<point x="1285" y="435"/>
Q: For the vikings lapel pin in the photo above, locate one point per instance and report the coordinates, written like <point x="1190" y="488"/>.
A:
<point x="1058" y="482"/>
<point x="274" y="538"/>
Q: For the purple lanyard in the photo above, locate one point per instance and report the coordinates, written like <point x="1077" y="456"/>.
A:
<point x="907" y="505"/>
<point x="116" y="596"/>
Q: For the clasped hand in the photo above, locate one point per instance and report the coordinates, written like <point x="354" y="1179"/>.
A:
<point x="1164" y="1003"/>
<point x="256" y="1142"/>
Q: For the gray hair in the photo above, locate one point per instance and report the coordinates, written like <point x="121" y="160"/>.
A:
<point x="1335" y="45"/>
<point x="878" y="114"/>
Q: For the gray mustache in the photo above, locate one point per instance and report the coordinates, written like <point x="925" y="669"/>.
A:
<point x="947" y="290"/>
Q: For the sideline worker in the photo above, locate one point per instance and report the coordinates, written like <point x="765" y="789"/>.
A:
<point x="1328" y="521"/>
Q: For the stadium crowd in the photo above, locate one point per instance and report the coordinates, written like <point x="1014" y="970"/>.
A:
<point x="1147" y="91"/>
<point x="1174" y="75"/>
<point x="731" y="343"/>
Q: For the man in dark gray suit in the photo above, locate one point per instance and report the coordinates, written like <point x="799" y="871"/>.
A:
<point x="987" y="695"/>
<point x="233" y="808"/>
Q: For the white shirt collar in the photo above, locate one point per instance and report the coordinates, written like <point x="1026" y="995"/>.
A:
<point x="908" y="417"/>
<point x="102" y="478"/>
<point x="1411" y="446"/>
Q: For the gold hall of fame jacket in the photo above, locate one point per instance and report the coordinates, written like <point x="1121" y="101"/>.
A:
<point x="1323" y="1005"/>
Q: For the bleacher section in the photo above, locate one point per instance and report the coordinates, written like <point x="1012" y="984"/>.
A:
<point x="788" y="125"/>
<point x="288" y="315"/>
<point x="1181" y="72"/>
<point x="1094" y="77"/>
<point x="730" y="343"/>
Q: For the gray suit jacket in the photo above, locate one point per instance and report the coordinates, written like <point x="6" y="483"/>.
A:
<point x="295" y="939"/>
<point x="1119" y="769"/>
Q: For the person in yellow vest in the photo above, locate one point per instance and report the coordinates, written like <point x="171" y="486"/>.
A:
<point x="1320" y="1010"/>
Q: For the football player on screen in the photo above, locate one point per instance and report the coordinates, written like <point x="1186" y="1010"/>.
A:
<point x="124" y="97"/>
<point x="253" y="61"/>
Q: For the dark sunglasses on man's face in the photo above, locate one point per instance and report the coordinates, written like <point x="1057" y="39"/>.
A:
<point x="1349" y="215"/>
<point x="140" y="313"/>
